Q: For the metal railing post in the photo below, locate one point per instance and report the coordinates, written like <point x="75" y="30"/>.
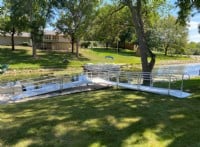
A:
<point x="182" y="83"/>
<point x="169" y="86"/>
<point x="61" y="83"/>
<point x="117" y="79"/>
<point x="138" y="80"/>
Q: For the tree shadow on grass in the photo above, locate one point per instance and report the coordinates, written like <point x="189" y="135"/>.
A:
<point x="104" y="118"/>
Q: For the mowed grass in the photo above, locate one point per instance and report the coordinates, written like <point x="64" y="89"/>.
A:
<point x="23" y="65"/>
<point x="106" y="118"/>
<point x="22" y="58"/>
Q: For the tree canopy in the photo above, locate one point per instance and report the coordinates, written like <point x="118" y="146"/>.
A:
<point x="138" y="20"/>
<point x="110" y="26"/>
<point x="10" y="22"/>
<point x="30" y="14"/>
<point x="75" y="18"/>
<point x="187" y="8"/>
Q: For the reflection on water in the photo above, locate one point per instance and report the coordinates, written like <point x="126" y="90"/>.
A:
<point x="191" y="69"/>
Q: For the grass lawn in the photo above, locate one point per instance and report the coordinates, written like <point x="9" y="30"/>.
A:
<point x="22" y="65"/>
<point x="112" y="117"/>
<point x="21" y="58"/>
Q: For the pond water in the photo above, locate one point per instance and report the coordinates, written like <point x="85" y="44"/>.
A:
<point x="190" y="69"/>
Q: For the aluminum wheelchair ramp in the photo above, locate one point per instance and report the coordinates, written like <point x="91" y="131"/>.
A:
<point x="104" y="78"/>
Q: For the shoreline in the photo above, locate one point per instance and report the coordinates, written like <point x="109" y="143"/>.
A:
<point x="178" y="62"/>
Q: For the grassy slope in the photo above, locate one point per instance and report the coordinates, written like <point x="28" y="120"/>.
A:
<point x="22" y="65"/>
<point x="21" y="58"/>
<point x="104" y="118"/>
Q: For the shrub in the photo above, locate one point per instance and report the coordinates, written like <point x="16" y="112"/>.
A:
<point x="85" y="44"/>
<point x="196" y="52"/>
<point x="95" y="44"/>
<point x="25" y="44"/>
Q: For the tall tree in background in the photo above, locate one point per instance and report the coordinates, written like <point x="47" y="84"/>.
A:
<point x="75" y="17"/>
<point x="11" y="23"/>
<point x="35" y="14"/>
<point x="168" y="34"/>
<point x="139" y="9"/>
<point x="109" y="26"/>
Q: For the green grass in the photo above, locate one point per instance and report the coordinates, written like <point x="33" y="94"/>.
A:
<point x="112" y="117"/>
<point x="21" y="58"/>
<point x="23" y="65"/>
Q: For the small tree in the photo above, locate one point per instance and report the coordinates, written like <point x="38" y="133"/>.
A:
<point x="10" y="22"/>
<point x="35" y="14"/>
<point x="75" y="18"/>
<point x="167" y="34"/>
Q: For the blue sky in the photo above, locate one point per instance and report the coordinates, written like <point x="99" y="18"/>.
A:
<point x="194" y="35"/>
<point x="193" y="28"/>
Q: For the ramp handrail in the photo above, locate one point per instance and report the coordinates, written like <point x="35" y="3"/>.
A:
<point x="139" y="77"/>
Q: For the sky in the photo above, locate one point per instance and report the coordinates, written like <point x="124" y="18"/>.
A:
<point x="194" y="35"/>
<point x="193" y="28"/>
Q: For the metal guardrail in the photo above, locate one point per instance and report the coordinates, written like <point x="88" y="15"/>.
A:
<point x="155" y="80"/>
<point x="13" y="88"/>
<point x="168" y="80"/>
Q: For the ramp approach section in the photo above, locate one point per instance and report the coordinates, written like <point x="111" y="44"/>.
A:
<point x="165" y="84"/>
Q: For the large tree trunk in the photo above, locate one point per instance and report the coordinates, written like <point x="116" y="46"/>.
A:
<point x="34" y="52"/>
<point x="77" y="48"/>
<point x="107" y="45"/>
<point x="166" y="49"/>
<point x="72" y="43"/>
<point x="147" y="67"/>
<point x="12" y="39"/>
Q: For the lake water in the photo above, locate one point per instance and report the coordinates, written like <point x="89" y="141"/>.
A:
<point x="190" y="69"/>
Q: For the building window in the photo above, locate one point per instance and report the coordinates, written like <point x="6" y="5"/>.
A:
<point x="47" y="37"/>
<point x="55" y="37"/>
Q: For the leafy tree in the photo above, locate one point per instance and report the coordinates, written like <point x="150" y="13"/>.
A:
<point x="35" y="14"/>
<point x="139" y="10"/>
<point x="193" y="48"/>
<point x="127" y="36"/>
<point x="111" y="26"/>
<point x="187" y="8"/>
<point x="10" y="23"/>
<point x="168" y="34"/>
<point x="75" y="18"/>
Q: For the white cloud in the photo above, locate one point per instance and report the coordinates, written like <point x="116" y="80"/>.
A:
<point x="194" y="34"/>
<point x="193" y="25"/>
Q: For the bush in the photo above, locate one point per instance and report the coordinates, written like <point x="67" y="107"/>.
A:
<point x="196" y="52"/>
<point x="95" y="44"/>
<point x="85" y="44"/>
<point x="25" y="44"/>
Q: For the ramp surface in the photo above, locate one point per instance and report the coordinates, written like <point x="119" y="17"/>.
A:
<point x="156" y="90"/>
